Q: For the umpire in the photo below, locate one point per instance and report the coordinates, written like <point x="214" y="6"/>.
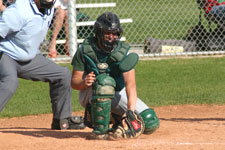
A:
<point x="23" y="26"/>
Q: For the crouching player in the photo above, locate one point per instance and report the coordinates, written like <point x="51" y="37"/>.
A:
<point x="103" y="71"/>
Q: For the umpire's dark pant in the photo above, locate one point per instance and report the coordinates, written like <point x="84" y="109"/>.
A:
<point x="38" y="69"/>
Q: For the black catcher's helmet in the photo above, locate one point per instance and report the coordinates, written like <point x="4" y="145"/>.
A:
<point x="107" y="22"/>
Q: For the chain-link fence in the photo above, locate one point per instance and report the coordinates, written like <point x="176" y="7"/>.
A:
<point x="154" y="27"/>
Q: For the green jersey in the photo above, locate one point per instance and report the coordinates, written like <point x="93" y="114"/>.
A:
<point x="89" y="55"/>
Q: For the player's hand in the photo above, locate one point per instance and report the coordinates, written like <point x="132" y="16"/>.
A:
<point x="89" y="79"/>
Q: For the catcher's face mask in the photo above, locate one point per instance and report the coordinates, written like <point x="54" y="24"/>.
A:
<point x="108" y="31"/>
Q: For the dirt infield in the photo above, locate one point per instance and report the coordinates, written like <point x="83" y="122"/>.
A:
<point x="187" y="127"/>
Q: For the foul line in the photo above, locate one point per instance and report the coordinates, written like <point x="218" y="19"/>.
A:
<point x="200" y="143"/>
<point x="178" y="143"/>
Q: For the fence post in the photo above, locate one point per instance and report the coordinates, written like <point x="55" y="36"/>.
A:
<point x="72" y="27"/>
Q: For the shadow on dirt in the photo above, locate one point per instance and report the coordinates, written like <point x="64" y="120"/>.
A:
<point x="43" y="132"/>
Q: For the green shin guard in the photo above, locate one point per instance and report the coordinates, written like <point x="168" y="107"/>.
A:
<point x="103" y="92"/>
<point x="151" y="121"/>
<point x="101" y="116"/>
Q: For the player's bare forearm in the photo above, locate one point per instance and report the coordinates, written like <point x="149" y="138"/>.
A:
<point x="77" y="81"/>
<point x="130" y="83"/>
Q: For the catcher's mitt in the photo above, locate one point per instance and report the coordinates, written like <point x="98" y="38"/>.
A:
<point x="130" y="126"/>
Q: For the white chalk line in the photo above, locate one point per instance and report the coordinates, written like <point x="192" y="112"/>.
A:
<point x="179" y="143"/>
<point x="199" y="143"/>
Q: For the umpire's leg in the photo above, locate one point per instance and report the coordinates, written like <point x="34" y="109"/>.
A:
<point x="8" y="79"/>
<point x="59" y="78"/>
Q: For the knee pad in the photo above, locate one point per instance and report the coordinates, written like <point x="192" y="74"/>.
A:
<point x="151" y="120"/>
<point x="103" y="92"/>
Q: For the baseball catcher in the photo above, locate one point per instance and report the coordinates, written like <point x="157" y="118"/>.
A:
<point x="103" y="71"/>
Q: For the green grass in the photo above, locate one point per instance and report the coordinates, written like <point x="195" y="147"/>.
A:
<point x="159" y="83"/>
<point x="181" y="81"/>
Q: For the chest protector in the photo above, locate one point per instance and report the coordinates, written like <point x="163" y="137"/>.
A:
<point x="93" y="57"/>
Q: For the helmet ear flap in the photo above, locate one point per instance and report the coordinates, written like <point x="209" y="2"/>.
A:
<point x="120" y="32"/>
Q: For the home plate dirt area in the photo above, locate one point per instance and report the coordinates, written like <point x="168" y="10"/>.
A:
<point x="183" y="127"/>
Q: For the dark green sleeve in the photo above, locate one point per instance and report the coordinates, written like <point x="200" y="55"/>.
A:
<point x="77" y="61"/>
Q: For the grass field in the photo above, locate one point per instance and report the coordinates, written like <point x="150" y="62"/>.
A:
<point x="159" y="83"/>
